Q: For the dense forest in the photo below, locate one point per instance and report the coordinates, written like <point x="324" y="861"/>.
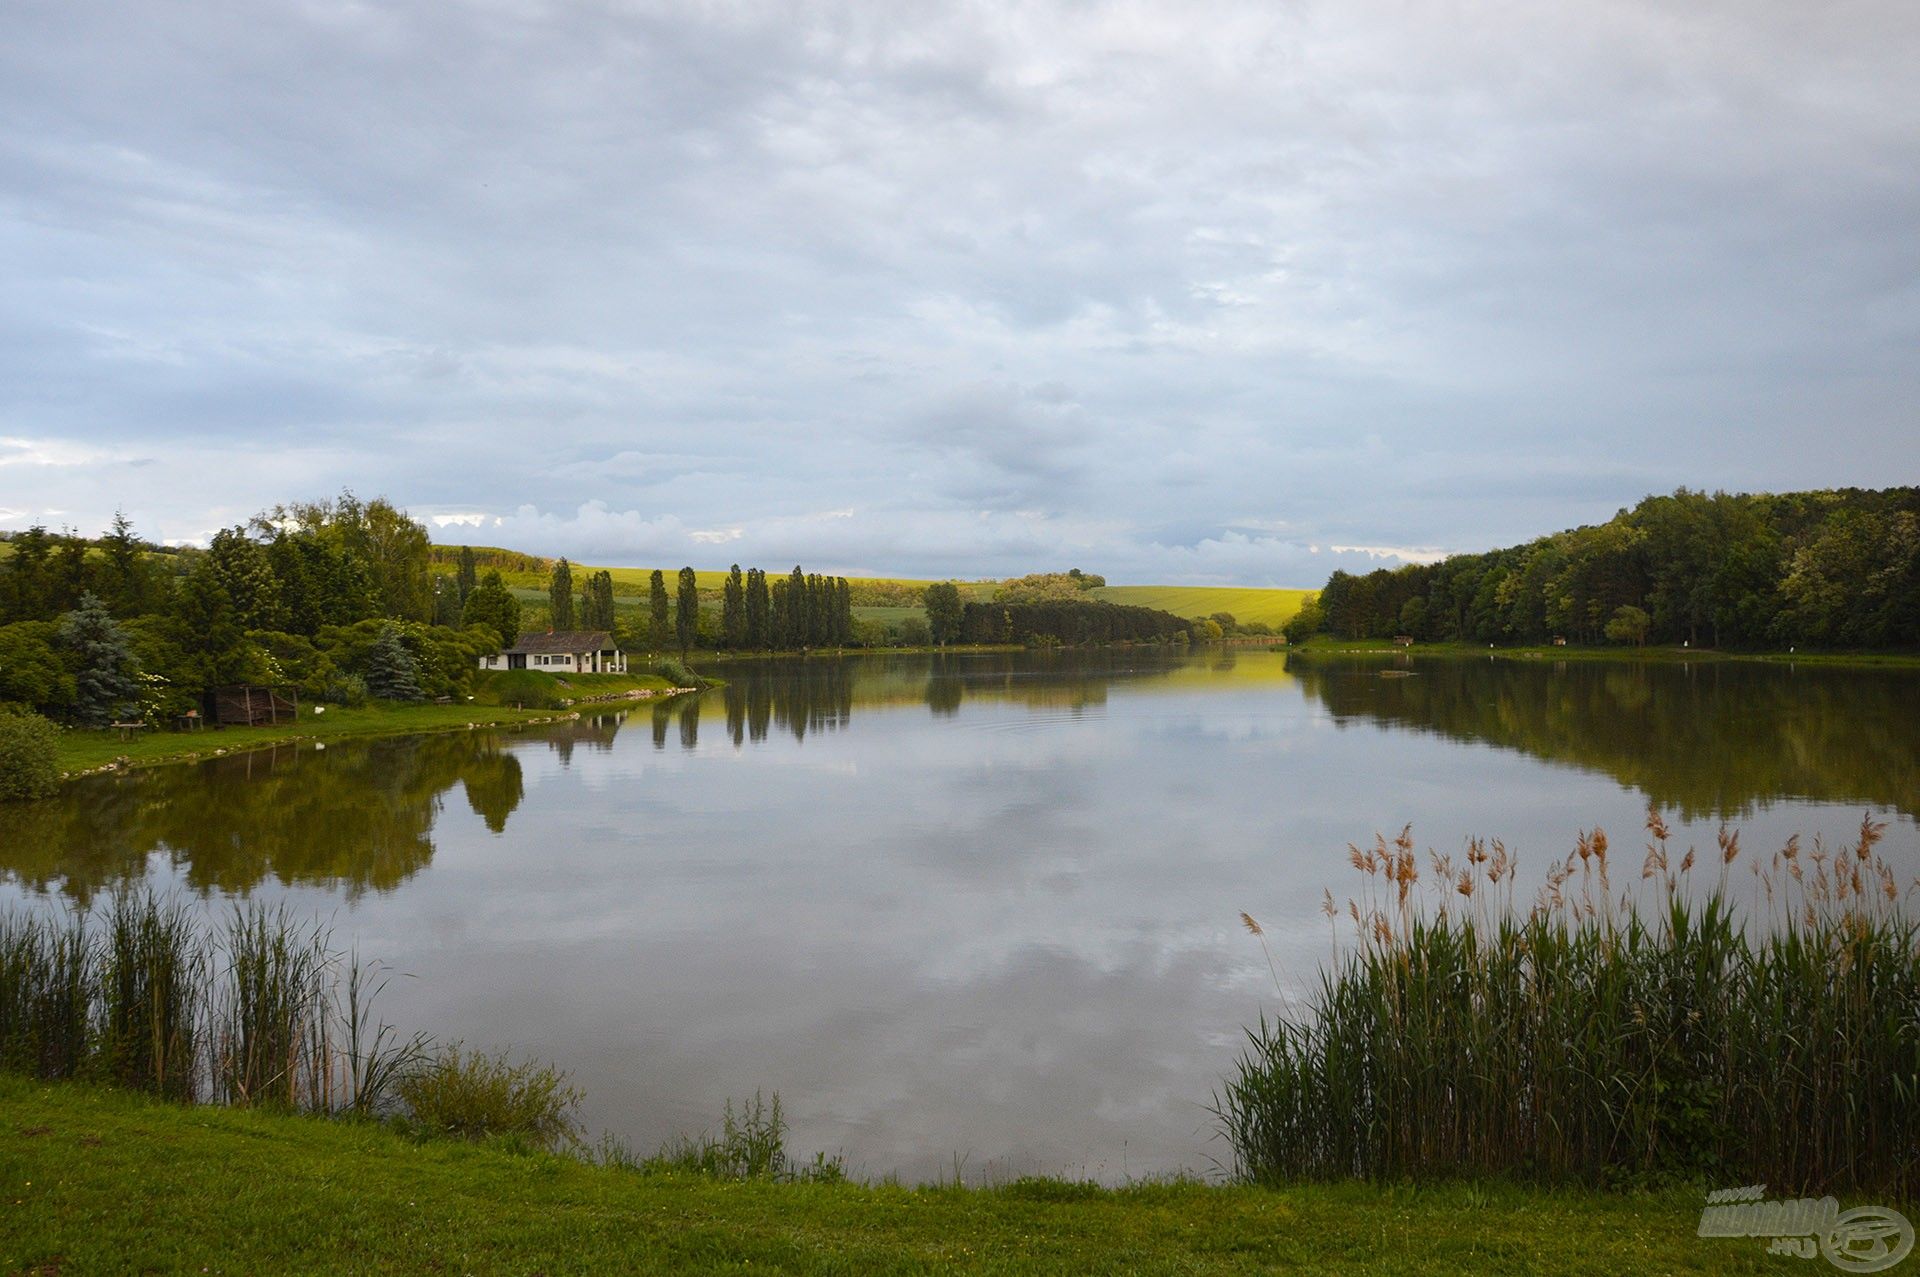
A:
<point x="1834" y="569"/>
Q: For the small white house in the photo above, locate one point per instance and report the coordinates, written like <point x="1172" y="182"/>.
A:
<point x="561" y="652"/>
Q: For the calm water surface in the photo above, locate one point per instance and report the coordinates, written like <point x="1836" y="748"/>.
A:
<point x="976" y="911"/>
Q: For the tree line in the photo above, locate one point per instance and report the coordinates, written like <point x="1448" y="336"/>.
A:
<point x="1826" y="569"/>
<point x="332" y="597"/>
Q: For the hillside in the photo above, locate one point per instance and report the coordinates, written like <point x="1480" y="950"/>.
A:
<point x="882" y="598"/>
<point x="1275" y="607"/>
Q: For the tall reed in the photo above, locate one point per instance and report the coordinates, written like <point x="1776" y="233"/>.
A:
<point x="145" y="994"/>
<point x="1604" y="1034"/>
<point x="153" y="979"/>
<point x="48" y="978"/>
<point x="270" y="1043"/>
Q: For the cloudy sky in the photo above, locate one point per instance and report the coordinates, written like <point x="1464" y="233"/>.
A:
<point x="1178" y="292"/>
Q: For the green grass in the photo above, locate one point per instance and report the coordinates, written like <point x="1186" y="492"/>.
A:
<point x="100" y="1181"/>
<point x="82" y="750"/>
<point x="1275" y="607"/>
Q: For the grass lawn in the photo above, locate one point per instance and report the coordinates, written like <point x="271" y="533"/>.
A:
<point x="95" y="1181"/>
<point x="82" y="750"/>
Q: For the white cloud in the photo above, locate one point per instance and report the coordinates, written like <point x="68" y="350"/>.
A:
<point x="1228" y="291"/>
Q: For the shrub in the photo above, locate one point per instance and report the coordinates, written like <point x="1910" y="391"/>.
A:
<point x="912" y="631"/>
<point x="679" y="675"/>
<point x="476" y="1096"/>
<point x="28" y="766"/>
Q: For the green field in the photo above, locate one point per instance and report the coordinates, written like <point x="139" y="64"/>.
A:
<point x="1275" y="607"/>
<point x="98" y="1181"/>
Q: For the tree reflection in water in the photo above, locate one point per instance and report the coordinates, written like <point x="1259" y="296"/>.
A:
<point x="357" y="815"/>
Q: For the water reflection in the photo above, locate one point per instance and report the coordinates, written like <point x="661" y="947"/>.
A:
<point x="976" y="906"/>
<point x="1710" y="740"/>
<point x="357" y="816"/>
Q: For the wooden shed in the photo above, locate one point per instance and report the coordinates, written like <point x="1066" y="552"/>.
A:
<point x="244" y="705"/>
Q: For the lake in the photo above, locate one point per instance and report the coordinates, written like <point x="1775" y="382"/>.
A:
<point x="974" y="914"/>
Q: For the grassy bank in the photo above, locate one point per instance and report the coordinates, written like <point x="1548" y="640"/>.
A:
<point x="101" y="1181"/>
<point x="82" y="751"/>
<point x="1323" y="646"/>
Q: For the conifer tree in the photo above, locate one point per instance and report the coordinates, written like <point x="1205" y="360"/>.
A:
<point x="125" y="580"/>
<point x="105" y="680"/>
<point x="205" y="627"/>
<point x="72" y="574"/>
<point x="390" y="671"/>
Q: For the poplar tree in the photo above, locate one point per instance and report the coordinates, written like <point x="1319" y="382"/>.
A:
<point x="759" y="632"/>
<point x="780" y="615"/>
<point x="658" y="611"/>
<point x="600" y="587"/>
<point x="560" y="597"/>
<point x="686" y="619"/>
<point x="796" y="607"/>
<point x="733" y="610"/>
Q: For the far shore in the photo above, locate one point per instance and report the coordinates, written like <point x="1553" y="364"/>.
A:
<point x="85" y="752"/>
<point x="1664" y="653"/>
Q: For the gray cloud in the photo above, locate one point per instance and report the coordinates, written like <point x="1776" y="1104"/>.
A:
<point x="932" y="290"/>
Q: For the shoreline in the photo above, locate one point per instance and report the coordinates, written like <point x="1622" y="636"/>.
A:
<point x="241" y="1187"/>
<point x="1655" y="655"/>
<point x="88" y="752"/>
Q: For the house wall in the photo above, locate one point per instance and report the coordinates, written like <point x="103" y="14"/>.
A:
<point x="566" y="663"/>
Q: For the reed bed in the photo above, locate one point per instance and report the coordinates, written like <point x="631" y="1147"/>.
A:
<point x="1716" y="1019"/>
<point x="143" y="992"/>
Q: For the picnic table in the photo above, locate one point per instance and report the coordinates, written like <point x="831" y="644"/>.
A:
<point x="127" y="730"/>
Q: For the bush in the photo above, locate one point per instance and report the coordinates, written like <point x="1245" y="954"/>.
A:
<point x="27" y="756"/>
<point x="475" y="1096"/>
<point x="679" y="675"/>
